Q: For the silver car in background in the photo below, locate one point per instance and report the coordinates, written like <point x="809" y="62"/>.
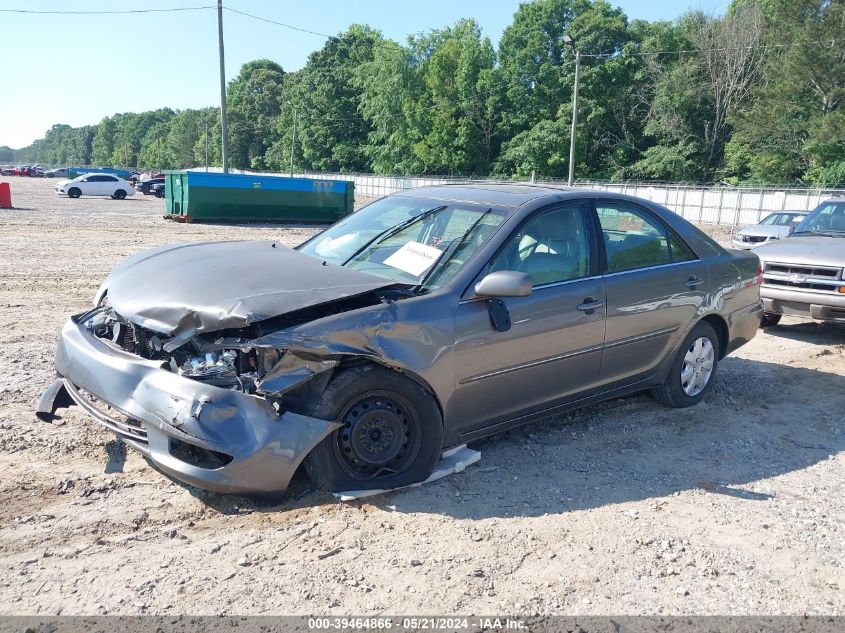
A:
<point x="803" y="273"/>
<point x="774" y="226"/>
<point x="425" y="320"/>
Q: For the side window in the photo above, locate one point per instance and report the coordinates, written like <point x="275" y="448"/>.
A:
<point x="108" y="178"/>
<point x="552" y="247"/>
<point x="635" y="240"/>
<point x="95" y="179"/>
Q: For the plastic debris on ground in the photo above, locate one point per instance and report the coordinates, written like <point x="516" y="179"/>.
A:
<point x="453" y="461"/>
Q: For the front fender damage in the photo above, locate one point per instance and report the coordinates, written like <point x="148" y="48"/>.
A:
<point x="316" y="349"/>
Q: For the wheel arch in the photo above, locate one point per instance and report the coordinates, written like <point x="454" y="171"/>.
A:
<point x="718" y="323"/>
<point x="302" y="399"/>
<point x="357" y="361"/>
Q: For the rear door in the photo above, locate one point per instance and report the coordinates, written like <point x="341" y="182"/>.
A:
<point x="553" y="348"/>
<point x="94" y="185"/>
<point x="655" y="286"/>
<point x="108" y="185"/>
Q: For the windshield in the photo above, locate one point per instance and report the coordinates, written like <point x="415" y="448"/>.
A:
<point x="782" y="219"/>
<point x="410" y="240"/>
<point x="827" y="219"/>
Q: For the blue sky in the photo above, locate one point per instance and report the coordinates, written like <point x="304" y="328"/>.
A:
<point x="78" y="69"/>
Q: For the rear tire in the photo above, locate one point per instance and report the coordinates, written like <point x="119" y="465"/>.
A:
<point x="770" y="319"/>
<point x="392" y="432"/>
<point x="74" y="192"/>
<point x="693" y="370"/>
<point x="120" y="194"/>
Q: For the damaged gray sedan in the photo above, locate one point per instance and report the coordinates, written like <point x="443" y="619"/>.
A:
<point x="426" y="319"/>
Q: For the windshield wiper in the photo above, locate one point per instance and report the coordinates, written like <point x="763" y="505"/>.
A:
<point x="393" y="230"/>
<point x="447" y="253"/>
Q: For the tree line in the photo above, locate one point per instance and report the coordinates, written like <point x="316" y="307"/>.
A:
<point x="752" y="96"/>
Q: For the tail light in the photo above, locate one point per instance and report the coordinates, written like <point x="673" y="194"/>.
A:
<point x="759" y="274"/>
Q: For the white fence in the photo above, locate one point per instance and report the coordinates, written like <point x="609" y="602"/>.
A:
<point x="701" y="204"/>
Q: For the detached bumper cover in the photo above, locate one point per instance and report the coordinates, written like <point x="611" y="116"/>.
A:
<point x="262" y="447"/>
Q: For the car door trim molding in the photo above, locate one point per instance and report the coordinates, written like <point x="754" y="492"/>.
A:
<point x="656" y="266"/>
<point x="533" y="363"/>
<point x="642" y="337"/>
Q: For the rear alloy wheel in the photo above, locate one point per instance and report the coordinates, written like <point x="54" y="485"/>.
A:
<point x="770" y="319"/>
<point x="391" y="433"/>
<point x="120" y="194"/>
<point x="692" y="371"/>
<point x="74" y="192"/>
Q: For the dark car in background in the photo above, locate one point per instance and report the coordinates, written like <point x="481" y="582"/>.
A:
<point x="144" y="185"/>
<point x="157" y="190"/>
<point x="427" y="319"/>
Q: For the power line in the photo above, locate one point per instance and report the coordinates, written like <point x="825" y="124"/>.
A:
<point x="282" y="24"/>
<point x="122" y="12"/>
<point x="623" y="54"/>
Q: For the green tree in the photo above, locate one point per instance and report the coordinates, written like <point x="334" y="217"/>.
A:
<point x="331" y="133"/>
<point x="102" y="147"/>
<point x="254" y="102"/>
<point x="794" y="130"/>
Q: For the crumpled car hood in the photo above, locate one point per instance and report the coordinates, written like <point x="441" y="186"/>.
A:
<point x="805" y="249"/>
<point x="185" y="289"/>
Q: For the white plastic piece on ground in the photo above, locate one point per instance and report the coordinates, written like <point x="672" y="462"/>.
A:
<point x="452" y="461"/>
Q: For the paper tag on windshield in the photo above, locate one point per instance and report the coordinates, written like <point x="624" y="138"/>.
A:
<point x="413" y="258"/>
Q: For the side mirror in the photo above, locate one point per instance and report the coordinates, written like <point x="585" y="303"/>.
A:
<point x="504" y="283"/>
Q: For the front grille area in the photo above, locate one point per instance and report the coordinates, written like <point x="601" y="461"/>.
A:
<point x="803" y="276"/>
<point x="753" y="239"/>
<point x="826" y="272"/>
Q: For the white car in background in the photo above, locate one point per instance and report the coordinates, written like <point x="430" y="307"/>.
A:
<point x="774" y="226"/>
<point x="96" y="185"/>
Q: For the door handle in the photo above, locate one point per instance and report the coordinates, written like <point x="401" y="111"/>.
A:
<point x="590" y="305"/>
<point x="693" y="281"/>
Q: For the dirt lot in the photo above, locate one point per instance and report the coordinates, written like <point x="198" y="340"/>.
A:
<point x="736" y="506"/>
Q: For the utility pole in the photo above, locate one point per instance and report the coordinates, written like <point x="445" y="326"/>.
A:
<point x="292" y="141"/>
<point x="206" y="143"/>
<point x="571" y="42"/>
<point x="224" y="128"/>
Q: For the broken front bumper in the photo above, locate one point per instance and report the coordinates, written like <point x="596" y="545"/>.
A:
<point x="206" y="436"/>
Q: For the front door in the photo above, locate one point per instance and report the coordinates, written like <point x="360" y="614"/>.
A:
<point x="655" y="286"/>
<point x="553" y="348"/>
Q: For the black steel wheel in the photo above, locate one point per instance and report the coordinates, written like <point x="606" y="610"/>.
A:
<point x="120" y="194"/>
<point x="391" y="432"/>
<point x="380" y="435"/>
<point x="74" y="192"/>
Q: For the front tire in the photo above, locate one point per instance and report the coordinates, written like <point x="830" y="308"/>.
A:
<point x="692" y="372"/>
<point x="74" y="192"/>
<point x="392" y="432"/>
<point x="770" y="319"/>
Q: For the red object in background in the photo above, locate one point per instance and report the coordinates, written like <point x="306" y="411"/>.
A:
<point x="5" y="196"/>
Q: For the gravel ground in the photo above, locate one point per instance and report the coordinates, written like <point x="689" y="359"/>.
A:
<point x="736" y="506"/>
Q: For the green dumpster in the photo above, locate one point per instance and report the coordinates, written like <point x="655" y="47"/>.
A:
<point x="198" y="196"/>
